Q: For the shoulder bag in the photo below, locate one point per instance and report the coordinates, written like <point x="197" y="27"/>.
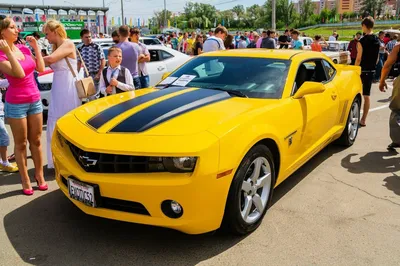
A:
<point x="85" y="86"/>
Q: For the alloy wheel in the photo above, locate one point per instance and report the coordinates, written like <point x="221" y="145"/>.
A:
<point x="255" y="190"/>
<point x="353" y="121"/>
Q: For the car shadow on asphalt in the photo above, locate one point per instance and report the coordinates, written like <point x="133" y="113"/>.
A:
<point x="304" y="171"/>
<point x="50" y="230"/>
<point x="15" y="178"/>
<point x="377" y="162"/>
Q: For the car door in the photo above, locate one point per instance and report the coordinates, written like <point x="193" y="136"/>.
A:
<point x="319" y="110"/>
<point x="173" y="62"/>
<point x="156" y="67"/>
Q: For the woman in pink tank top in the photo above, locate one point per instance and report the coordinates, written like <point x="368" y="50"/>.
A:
<point x="23" y="108"/>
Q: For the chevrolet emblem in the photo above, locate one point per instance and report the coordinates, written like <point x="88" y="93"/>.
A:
<point x="86" y="161"/>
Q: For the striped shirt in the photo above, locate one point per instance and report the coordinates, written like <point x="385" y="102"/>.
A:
<point x="390" y="45"/>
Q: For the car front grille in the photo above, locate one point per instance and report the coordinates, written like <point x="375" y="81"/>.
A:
<point x="113" y="163"/>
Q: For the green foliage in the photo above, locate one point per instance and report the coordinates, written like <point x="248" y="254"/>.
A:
<point x="205" y="16"/>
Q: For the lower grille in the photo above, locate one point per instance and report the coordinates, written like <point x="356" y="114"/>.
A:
<point x="117" y="204"/>
<point x="113" y="163"/>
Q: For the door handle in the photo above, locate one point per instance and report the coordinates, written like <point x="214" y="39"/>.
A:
<point x="334" y="96"/>
<point x="160" y="68"/>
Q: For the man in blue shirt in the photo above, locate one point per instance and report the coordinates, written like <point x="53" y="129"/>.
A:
<point x="297" y="44"/>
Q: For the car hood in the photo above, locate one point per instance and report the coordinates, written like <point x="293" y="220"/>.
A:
<point x="174" y="111"/>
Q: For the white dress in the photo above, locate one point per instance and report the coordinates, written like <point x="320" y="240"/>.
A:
<point x="64" y="98"/>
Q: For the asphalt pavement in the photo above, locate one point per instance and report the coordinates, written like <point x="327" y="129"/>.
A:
<point x="341" y="208"/>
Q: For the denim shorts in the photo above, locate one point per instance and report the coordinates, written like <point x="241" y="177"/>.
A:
<point x="4" y="137"/>
<point x="22" y="110"/>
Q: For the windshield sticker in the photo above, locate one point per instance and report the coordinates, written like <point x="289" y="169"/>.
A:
<point x="167" y="80"/>
<point x="183" y="80"/>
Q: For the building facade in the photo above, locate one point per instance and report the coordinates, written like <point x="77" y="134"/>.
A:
<point x="328" y="4"/>
<point x="345" y="6"/>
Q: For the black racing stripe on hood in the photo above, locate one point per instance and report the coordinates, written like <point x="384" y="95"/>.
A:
<point x="168" y="109"/>
<point x="100" y="119"/>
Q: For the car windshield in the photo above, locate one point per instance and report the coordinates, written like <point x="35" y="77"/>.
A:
<point x="252" y="77"/>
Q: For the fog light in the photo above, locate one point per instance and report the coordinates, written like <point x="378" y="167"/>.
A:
<point x="176" y="207"/>
<point x="172" y="209"/>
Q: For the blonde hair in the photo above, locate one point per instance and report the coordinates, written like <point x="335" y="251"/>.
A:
<point x="55" y="26"/>
<point x="4" y="24"/>
<point x="114" y="49"/>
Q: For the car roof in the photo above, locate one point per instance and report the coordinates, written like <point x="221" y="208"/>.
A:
<point x="262" y="53"/>
<point x="337" y="41"/>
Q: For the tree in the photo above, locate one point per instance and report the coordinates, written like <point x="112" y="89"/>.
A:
<point x="325" y="15"/>
<point x="286" y="15"/>
<point x="159" y="17"/>
<point x="306" y="10"/>
<point x="372" y="7"/>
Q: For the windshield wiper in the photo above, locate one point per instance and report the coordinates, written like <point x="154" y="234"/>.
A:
<point x="231" y="92"/>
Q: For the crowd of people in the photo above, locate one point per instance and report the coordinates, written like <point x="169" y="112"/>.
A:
<point x="220" y="39"/>
<point x="19" y="64"/>
<point x="127" y="71"/>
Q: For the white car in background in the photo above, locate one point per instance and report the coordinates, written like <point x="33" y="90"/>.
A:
<point x="338" y="52"/>
<point x="162" y="60"/>
<point x="307" y="41"/>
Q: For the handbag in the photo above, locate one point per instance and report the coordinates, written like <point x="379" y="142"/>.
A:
<point x="85" y="87"/>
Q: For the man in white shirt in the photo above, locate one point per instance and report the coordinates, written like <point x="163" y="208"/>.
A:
<point x="216" y="42"/>
<point x="333" y="37"/>
<point x="115" y="78"/>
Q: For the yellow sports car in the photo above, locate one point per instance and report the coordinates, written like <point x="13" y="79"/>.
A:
<point x="207" y="145"/>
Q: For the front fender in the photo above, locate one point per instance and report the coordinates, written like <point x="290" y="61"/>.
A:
<point x="235" y="144"/>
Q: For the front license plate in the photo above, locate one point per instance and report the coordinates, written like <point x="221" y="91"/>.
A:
<point x="81" y="192"/>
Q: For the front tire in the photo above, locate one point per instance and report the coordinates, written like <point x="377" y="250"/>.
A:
<point x="251" y="190"/>
<point x="350" y="131"/>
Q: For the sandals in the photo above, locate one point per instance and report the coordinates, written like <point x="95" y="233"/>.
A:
<point x="11" y="157"/>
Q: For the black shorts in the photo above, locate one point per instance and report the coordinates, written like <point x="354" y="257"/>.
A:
<point x="366" y="79"/>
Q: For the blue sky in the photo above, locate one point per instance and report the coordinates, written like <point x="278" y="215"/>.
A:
<point x="139" y="8"/>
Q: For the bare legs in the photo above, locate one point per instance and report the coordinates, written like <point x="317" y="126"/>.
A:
<point x="19" y="128"/>
<point x="367" y="104"/>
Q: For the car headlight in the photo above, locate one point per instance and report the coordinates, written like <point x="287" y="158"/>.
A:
<point x="179" y="164"/>
<point x="61" y="139"/>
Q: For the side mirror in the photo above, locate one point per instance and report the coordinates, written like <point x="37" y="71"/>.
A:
<point x="165" y="75"/>
<point x="309" y="87"/>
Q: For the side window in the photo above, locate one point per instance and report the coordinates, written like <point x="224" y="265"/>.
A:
<point x="312" y="70"/>
<point x="330" y="70"/>
<point x="165" y="55"/>
<point x="309" y="42"/>
<point x="154" y="56"/>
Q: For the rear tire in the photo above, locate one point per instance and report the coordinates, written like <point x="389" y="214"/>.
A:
<point x="350" y="131"/>
<point x="251" y="190"/>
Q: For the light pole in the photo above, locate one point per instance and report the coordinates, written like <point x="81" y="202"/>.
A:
<point x="122" y="11"/>
<point x="76" y="11"/>
<point x="44" y="10"/>
<point x="273" y="14"/>
<point x="165" y="13"/>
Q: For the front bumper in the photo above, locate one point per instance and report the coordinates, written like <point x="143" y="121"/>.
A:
<point x="137" y="198"/>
